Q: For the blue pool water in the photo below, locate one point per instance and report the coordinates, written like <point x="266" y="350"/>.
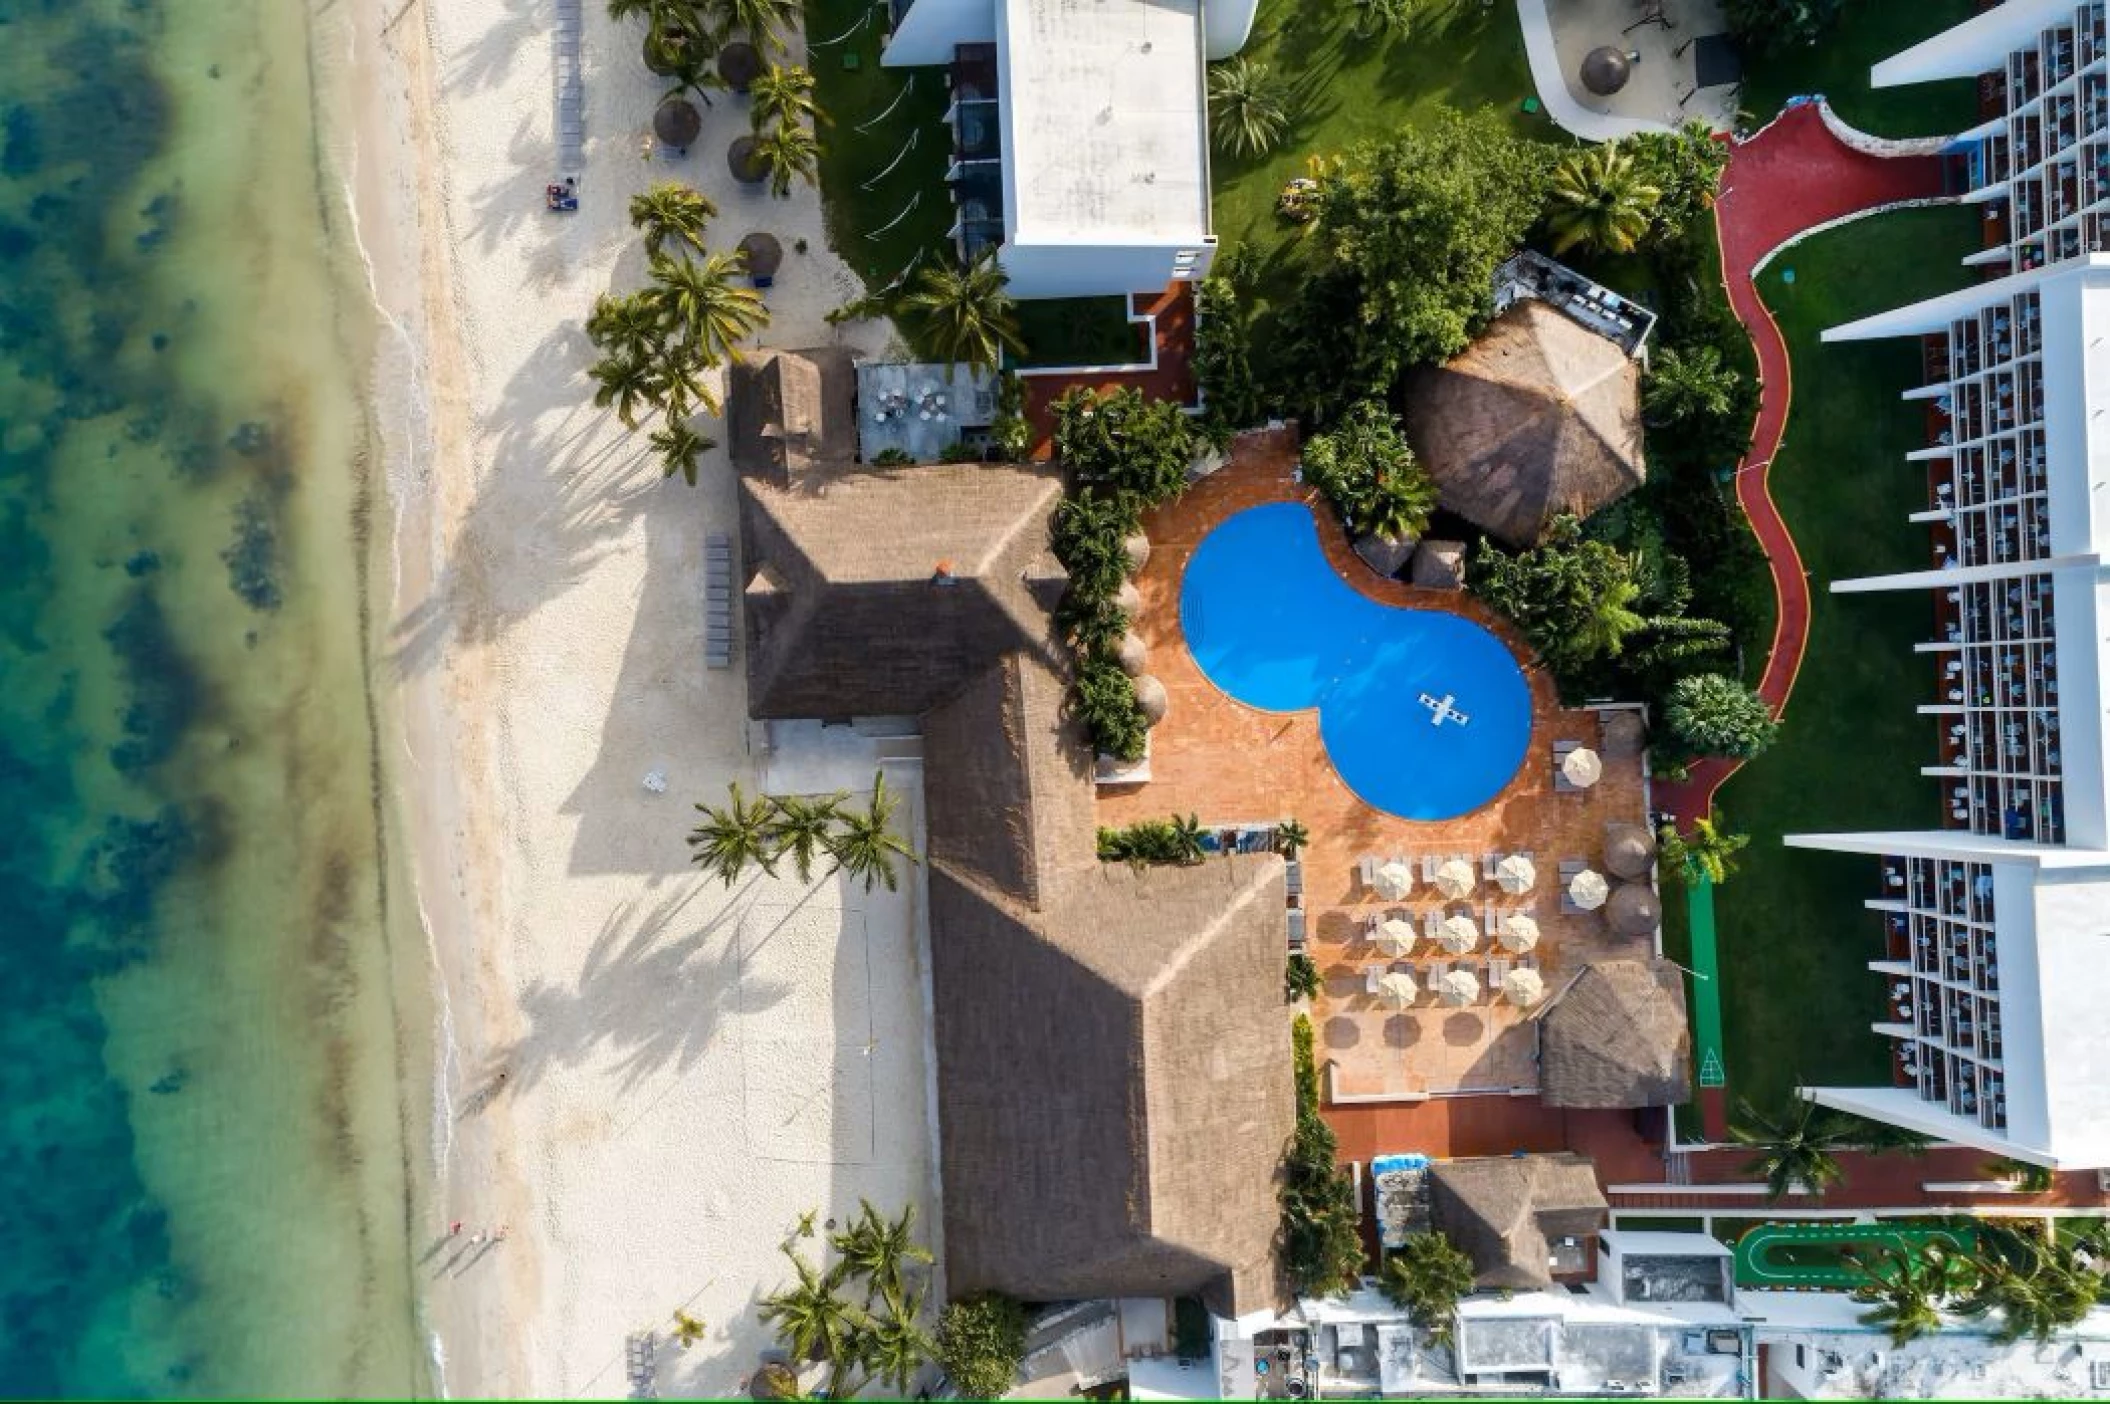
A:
<point x="1271" y="623"/>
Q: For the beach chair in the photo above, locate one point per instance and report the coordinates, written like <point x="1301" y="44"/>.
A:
<point x="1488" y="919"/>
<point x="1497" y="970"/>
<point x="1293" y="877"/>
<point x="1568" y="869"/>
<point x="1561" y="782"/>
<point x="1487" y="867"/>
<point x="1366" y="872"/>
<point x="1296" y="929"/>
<point x="1371" y="975"/>
<point x="1429" y="864"/>
<point x="1431" y="925"/>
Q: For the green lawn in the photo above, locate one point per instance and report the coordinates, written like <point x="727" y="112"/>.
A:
<point x="1837" y="67"/>
<point x="1794" y="939"/>
<point x="1459" y="54"/>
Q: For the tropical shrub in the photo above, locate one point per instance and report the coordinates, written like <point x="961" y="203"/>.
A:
<point x="1599" y="201"/>
<point x="1300" y="978"/>
<point x="1177" y="840"/>
<point x="1366" y="469"/>
<point x="1223" y="333"/>
<point x="1132" y="447"/>
<point x="1685" y="167"/>
<point x="1708" y="852"/>
<point x="1773" y="26"/>
<point x="981" y="1342"/>
<point x="1104" y="700"/>
<point x="1428" y="1275"/>
<point x="1322" y="1249"/>
<point x="1718" y="716"/>
<point x="1689" y="383"/>
<point x="1248" y="107"/>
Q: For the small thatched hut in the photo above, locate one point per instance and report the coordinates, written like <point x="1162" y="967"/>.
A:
<point x="1633" y="910"/>
<point x="677" y="123"/>
<point x="1538" y="417"/>
<point x="1629" y="851"/>
<point x="739" y="64"/>
<point x="1521" y="1219"/>
<point x="1624" y="734"/>
<point x="1617" y="1036"/>
<point x="763" y="253"/>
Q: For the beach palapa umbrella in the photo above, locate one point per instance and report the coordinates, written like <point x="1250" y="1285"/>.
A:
<point x="677" y="123"/>
<point x="1582" y="767"/>
<point x="1394" y="881"/>
<point x="1455" y="878"/>
<point x="1396" y="935"/>
<point x="1458" y="988"/>
<point x="1588" y="889"/>
<point x="739" y="64"/>
<point x="1516" y="874"/>
<point x="1523" y="987"/>
<point x="1519" y="932"/>
<point x="1397" y="988"/>
<point x="764" y="254"/>
<point x="1457" y="935"/>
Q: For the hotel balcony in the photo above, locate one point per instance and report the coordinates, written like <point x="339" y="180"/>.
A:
<point x="2024" y="77"/>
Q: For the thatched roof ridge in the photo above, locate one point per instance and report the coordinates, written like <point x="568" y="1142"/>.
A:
<point x="1539" y="416"/>
<point x="1504" y="1212"/>
<point x="1617" y="1036"/>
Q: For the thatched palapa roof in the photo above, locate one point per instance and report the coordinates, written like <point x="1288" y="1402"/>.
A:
<point x="1633" y="909"/>
<point x="1625" y="735"/>
<point x="677" y="123"/>
<point x="1617" y="1037"/>
<point x="875" y="591"/>
<point x="1506" y="1212"/>
<point x="1537" y="417"/>
<point x="1629" y="850"/>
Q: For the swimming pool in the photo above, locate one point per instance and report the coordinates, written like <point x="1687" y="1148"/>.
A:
<point x="1424" y="714"/>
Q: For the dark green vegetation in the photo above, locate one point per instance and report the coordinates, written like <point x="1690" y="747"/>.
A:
<point x="1866" y="32"/>
<point x="862" y="1314"/>
<point x="1322" y="1248"/>
<point x="1368" y="472"/>
<point x="1795" y="1145"/>
<point x="766" y="830"/>
<point x="1795" y="941"/>
<point x="1428" y="1275"/>
<point x="1177" y="840"/>
<point x="981" y="1341"/>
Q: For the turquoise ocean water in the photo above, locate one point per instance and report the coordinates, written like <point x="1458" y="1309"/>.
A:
<point x="208" y="1044"/>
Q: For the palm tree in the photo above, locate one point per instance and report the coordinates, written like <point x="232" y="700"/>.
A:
<point x="671" y="210"/>
<point x="705" y="299"/>
<point x="2036" y="1284"/>
<point x="879" y="1249"/>
<point x="1248" y="107"/>
<point x="781" y="95"/>
<point x="1709" y="851"/>
<point x="1290" y="838"/>
<point x="1688" y="383"/>
<point x="866" y="844"/>
<point x="811" y="1319"/>
<point x="786" y="155"/>
<point x="1400" y="504"/>
<point x="800" y="827"/>
<point x="1796" y="1147"/>
<point x="967" y="313"/>
<point x="1375" y="17"/>
<point x="627" y="379"/>
<point x="894" y="1346"/>
<point x="630" y="323"/>
<point x="1187" y="835"/>
<point x="687" y="1329"/>
<point x="729" y="839"/>
<point x="762" y="20"/>
<point x="1906" y="1290"/>
<point x="679" y="446"/>
<point x="1601" y="630"/>
<point x="1599" y="200"/>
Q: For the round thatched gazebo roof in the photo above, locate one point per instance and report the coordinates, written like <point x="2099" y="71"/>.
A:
<point x="763" y="253"/>
<point x="1538" y="417"/>
<point x="677" y="123"/>
<point x="1605" y="70"/>
<point x="1633" y="909"/>
<point x="1132" y="654"/>
<point x="1150" y="696"/>
<point x="1629" y="851"/>
<point x="740" y="160"/>
<point x="739" y="64"/>
<point x="1136" y="546"/>
<point x="1129" y="598"/>
<point x="1624" y="735"/>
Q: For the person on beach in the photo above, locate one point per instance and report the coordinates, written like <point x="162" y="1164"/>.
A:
<point x="454" y="1230"/>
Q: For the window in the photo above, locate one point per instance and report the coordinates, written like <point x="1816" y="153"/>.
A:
<point x="2099" y="1374"/>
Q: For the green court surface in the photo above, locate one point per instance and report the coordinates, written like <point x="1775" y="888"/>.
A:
<point x="1707" y="988"/>
<point x="1815" y="1254"/>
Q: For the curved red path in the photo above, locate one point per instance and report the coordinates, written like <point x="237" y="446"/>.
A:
<point x="1791" y="177"/>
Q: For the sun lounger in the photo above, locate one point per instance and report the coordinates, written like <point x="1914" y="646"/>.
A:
<point x="718" y="600"/>
<point x="1296" y="928"/>
<point x="1293" y="878"/>
<point x="1371" y="975"/>
<point x="1366" y="872"/>
<point x="1429" y="864"/>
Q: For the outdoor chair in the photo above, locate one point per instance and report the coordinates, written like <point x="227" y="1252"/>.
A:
<point x="1366" y="872"/>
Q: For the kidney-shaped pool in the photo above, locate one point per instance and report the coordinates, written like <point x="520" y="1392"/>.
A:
<point x="1425" y="715"/>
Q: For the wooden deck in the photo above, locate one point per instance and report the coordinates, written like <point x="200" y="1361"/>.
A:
<point x="1231" y="763"/>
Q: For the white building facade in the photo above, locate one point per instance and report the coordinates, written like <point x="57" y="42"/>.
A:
<point x="1997" y="925"/>
<point x="1080" y="133"/>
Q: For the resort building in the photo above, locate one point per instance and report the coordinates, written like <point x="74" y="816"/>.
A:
<point x="1995" y="924"/>
<point x="1113" y="1063"/>
<point x="1080" y="133"/>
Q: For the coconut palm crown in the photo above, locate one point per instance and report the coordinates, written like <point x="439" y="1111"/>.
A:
<point x="967" y="313"/>
<point x="1599" y="201"/>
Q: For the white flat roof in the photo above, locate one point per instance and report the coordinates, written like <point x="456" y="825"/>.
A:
<point x="1105" y="131"/>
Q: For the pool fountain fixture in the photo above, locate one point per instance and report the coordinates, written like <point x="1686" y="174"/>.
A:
<point x="1441" y="710"/>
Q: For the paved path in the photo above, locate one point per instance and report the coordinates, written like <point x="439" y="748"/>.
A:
<point x="1790" y="178"/>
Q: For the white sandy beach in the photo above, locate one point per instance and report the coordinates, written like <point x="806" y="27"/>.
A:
<point x="644" y="1078"/>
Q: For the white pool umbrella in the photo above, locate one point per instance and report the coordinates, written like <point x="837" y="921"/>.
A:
<point x="1394" y="881"/>
<point x="1458" y="935"/>
<point x="1516" y="875"/>
<point x="1582" y="767"/>
<point x="1395" y="936"/>
<point x="1455" y="878"/>
<point x="1587" y="889"/>
<point x="1518" y="932"/>
<point x="1397" y="989"/>
<point x="1522" y="986"/>
<point x="1458" y="988"/>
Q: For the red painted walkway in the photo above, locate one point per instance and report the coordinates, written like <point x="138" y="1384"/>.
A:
<point x="1171" y="314"/>
<point x="1791" y="177"/>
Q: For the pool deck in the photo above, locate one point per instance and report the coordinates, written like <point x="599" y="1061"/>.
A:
<point x="1231" y="763"/>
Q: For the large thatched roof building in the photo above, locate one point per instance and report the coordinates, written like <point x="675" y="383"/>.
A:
<point x="1524" y="1220"/>
<point x="1114" y="1087"/>
<point x="1617" y="1037"/>
<point x="1539" y="416"/>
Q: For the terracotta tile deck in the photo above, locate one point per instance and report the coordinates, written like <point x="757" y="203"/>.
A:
<point x="1230" y="763"/>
